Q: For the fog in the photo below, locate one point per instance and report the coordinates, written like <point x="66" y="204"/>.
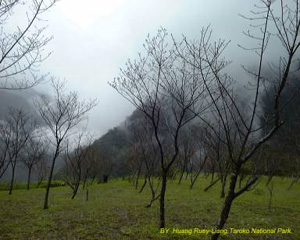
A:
<point x="92" y="40"/>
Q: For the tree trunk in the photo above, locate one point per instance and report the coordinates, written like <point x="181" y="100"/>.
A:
<point x="85" y="180"/>
<point x="269" y="179"/>
<point x="40" y="180"/>
<point x="4" y="169"/>
<point x="12" y="178"/>
<point x="153" y="192"/>
<point x="75" y="189"/>
<point x="87" y="194"/>
<point x="137" y="179"/>
<point x="105" y="178"/>
<point x="144" y="184"/>
<point x="212" y="176"/>
<point x="50" y="178"/>
<point x="28" y="179"/>
<point x="241" y="180"/>
<point x="270" y="188"/>
<point x="223" y="186"/>
<point x="211" y="185"/>
<point x="226" y="207"/>
<point x="162" y="199"/>
<point x="293" y="182"/>
<point x="180" y="178"/>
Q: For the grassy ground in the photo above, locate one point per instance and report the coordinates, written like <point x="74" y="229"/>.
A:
<point x="117" y="211"/>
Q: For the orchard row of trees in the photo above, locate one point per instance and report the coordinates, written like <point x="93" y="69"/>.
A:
<point x="34" y="139"/>
<point x="176" y="83"/>
<point x="43" y="135"/>
<point x="189" y="119"/>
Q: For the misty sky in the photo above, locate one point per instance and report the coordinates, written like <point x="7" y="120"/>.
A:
<point x="94" y="38"/>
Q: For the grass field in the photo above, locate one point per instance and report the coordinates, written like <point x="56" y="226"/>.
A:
<point x="117" y="211"/>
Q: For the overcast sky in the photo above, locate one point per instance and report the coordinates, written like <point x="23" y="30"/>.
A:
<point x="94" y="38"/>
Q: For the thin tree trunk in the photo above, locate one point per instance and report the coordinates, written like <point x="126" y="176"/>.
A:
<point x="270" y="188"/>
<point x="211" y="185"/>
<point x="241" y="180"/>
<point x="87" y="194"/>
<point x="84" y="183"/>
<point x="75" y="189"/>
<point x="194" y="179"/>
<point x="180" y="178"/>
<point x="144" y="184"/>
<point x="50" y="179"/>
<point x="28" y="179"/>
<point x="152" y="201"/>
<point x="12" y="178"/>
<point x="162" y="199"/>
<point x="4" y="169"/>
<point x="153" y="192"/>
<point x="293" y="182"/>
<point x="269" y="179"/>
<point x="137" y="178"/>
<point x="212" y="176"/>
<point x="105" y="178"/>
<point x="93" y="178"/>
<point x="39" y="182"/>
<point x="223" y="186"/>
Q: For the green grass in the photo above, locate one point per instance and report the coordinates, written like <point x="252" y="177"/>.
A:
<point x="5" y="185"/>
<point x="117" y="211"/>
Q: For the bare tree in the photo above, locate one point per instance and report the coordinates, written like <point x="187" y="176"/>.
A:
<point x="41" y="169"/>
<point x="21" y="46"/>
<point x="15" y="131"/>
<point x="239" y="130"/>
<point x="169" y="93"/>
<point x="217" y="152"/>
<point x="4" y="140"/>
<point x="197" y="164"/>
<point x="146" y="152"/>
<point x="75" y="162"/>
<point x="32" y="153"/>
<point x="90" y="168"/>
<point x="187" y="149"/>
<point x="61" y="115"/>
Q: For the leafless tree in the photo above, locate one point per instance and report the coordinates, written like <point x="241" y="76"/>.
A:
<point x="168" y="92"/>
<point x="197" y="164"/>
<point x="240" y="130"/>
<point x="22" y="43"/>
<point x="4" y="162"/>
<point x="217" y="152"/>
<point x="15" y="131"/>
<point x="146" y="152"/>
<point x="76" y="162"/>
<point x="33" y="152"/>
<point x="104" y="163"/>
<point x="90" y="168"/>
<point x="187" y="149"/>
<point x="41" y="169"/>
<point x="61" y="115"/>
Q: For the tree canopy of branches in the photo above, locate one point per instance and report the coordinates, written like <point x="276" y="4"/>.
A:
<point x="15" y="133"/>
<point x="61" y="115"/>
<point x="22" y="43"/>
<point x="33" y="152"/>
<point x="172" y="84"/>
<point x="237" y="128"/>
<point x="168" y="92"/>
<point x="77" y="165"/>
